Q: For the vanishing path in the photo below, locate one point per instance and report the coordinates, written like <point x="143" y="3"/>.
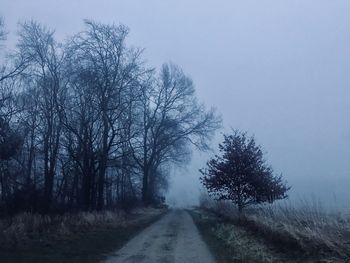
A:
<point x="172" y="239"/>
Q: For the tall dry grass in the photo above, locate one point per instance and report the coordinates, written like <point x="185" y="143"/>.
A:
<point x="15" y="231"/>
<point x="308" y="227"/>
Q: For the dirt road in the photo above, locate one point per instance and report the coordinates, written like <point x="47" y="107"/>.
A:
<point x="172" y="239"/>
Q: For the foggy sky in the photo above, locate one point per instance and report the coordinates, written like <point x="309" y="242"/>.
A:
<point x="277" y="69"/>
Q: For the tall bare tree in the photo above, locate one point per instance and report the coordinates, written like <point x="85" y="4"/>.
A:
<point x="104" y="66"/>
<point x="171" y="121"/>
<point x="44" y="60"/>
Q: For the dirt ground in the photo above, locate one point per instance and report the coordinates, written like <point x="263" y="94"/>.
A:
<point x="172" y="239"/>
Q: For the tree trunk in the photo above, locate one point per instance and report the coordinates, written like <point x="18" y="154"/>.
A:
<point x="101" y="183"/>
<point x="240" y="209"/>
<point x="145" y="186"/>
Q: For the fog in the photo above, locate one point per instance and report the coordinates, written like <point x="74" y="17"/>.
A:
<point x="276" y="69"/>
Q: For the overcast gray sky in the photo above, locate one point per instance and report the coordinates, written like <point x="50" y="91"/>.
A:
<point x="277" y="69"/>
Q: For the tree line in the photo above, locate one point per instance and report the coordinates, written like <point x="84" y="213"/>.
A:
<point x="86" y="124"/>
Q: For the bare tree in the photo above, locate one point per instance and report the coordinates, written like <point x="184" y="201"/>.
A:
<point x="43" y="67"/>
<point x="171" y="120"/>
<point x="10" y="138"/>
<point x="108" y="69"/>
<point x="9" y="70"/>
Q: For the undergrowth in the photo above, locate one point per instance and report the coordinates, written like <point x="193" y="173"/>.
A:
<point x="83" y="237"/>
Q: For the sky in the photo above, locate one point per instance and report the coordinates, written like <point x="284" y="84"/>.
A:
<point x="279" y="70"/>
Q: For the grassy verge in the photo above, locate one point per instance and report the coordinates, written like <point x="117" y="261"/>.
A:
<point x="82" y="244"/>
<point x="303" y="228"/>
<point x="231" y="243"/>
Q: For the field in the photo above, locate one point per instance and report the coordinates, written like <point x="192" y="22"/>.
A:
<point x="275" y="233"/>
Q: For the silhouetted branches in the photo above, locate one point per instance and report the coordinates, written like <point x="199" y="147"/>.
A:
<point x="240" y="173"/>
<point x="87" y="125"/>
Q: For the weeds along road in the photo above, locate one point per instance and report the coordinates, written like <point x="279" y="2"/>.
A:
<point x="172" y="239"/>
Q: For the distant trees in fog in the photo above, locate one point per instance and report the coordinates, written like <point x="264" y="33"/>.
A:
<point x="86" y="124"/>
<point x="240" y="174"/>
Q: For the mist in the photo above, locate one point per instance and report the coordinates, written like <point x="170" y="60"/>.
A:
<point x="276" y="69"/>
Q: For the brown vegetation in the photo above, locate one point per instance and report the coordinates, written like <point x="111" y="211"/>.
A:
<point x="308" y="230"/>
<point x="19" y="230"/>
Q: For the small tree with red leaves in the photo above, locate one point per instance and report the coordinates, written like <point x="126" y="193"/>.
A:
<point x="240" y="173"/>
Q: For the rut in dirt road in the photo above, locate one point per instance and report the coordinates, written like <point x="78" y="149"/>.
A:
<point x="172" y="239"/>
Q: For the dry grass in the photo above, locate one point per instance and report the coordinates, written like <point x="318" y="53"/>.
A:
<point x="310" y="228"/>
<point x="18" y="230"/>
<point x="232" y="244"/>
